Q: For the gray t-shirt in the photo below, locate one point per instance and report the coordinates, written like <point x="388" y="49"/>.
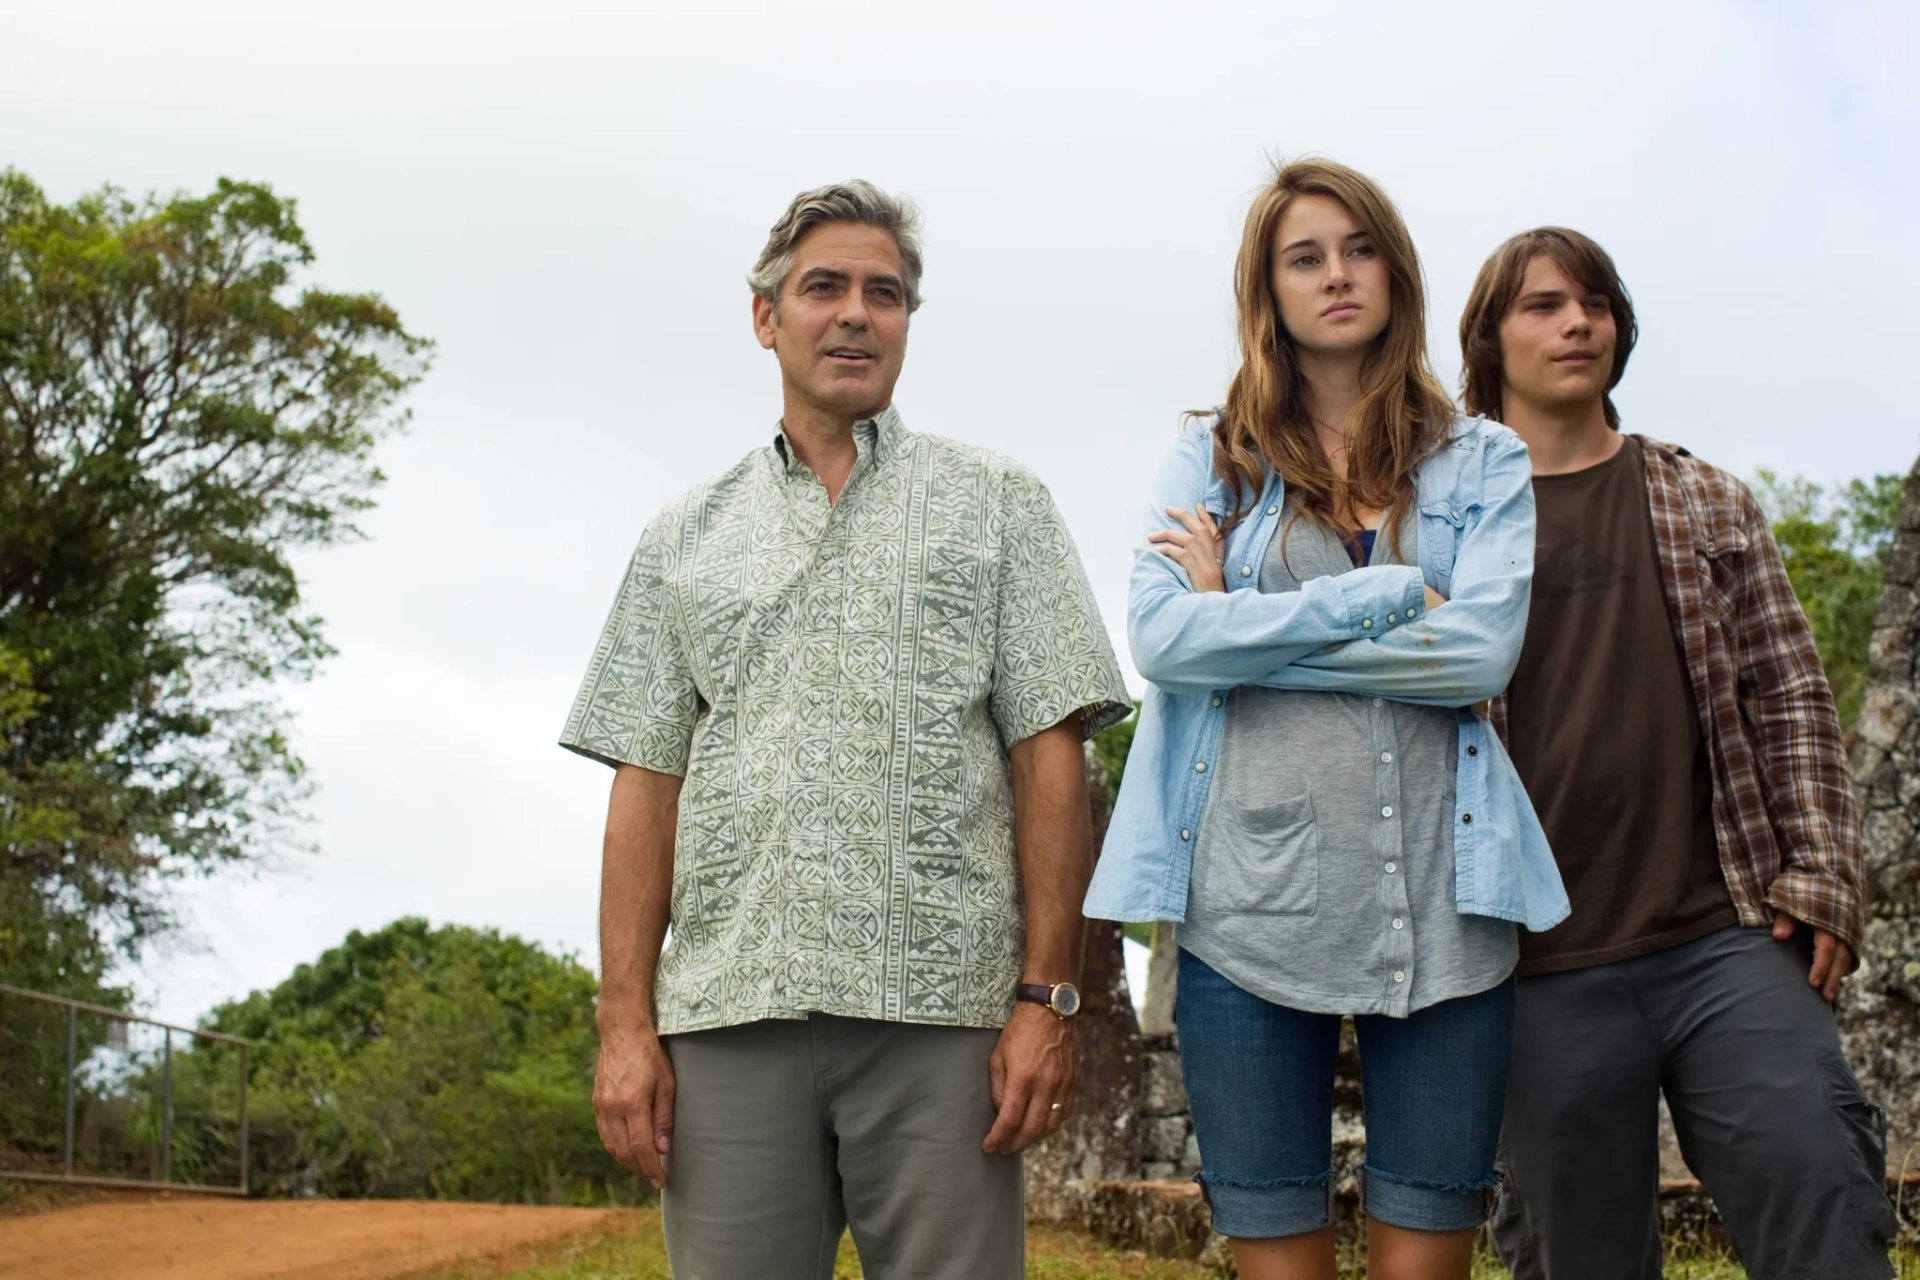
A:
<point x="1323" y="876"/>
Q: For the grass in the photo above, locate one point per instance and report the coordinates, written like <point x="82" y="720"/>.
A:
<point x="632" y="1249"/>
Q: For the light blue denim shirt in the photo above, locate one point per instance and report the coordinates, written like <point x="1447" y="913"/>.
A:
<point x="1364" y="632"/>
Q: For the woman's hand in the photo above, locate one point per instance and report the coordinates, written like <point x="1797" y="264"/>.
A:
<point x="1196" y="547"/>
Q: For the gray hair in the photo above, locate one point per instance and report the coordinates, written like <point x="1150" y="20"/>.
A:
<point x="854" y="201"/>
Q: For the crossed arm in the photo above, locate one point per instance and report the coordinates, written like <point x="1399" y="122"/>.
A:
<point x="1333" y="634"/>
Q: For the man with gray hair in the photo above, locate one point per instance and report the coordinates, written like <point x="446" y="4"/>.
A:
<point x="844" y="688"/>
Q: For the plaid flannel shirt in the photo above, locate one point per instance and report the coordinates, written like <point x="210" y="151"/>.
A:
<point x="1783" y="805"/>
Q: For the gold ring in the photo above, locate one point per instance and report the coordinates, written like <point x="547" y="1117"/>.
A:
<point x="1055" y="1107"/>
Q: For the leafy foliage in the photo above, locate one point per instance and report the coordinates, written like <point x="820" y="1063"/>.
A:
<point x="1111" y="745"/>
<point x="1110" y="748"/>
<point x="447" y="1063"/>
<point x="1835" y="543"/>
<point x="178" y="412"/>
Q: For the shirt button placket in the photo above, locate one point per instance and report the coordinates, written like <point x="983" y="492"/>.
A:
<point x="1389" y="848"/>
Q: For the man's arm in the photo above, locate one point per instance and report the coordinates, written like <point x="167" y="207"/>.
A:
<point x="1802" y="759"/>
<point x="1037" y="1062"/>
<point x="633" y="1084"/>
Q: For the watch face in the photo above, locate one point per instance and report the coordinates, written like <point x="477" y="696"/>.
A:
<point x="1066" y="1000"/>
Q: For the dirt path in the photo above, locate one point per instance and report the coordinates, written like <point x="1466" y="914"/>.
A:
<point x="277" y="1239"/>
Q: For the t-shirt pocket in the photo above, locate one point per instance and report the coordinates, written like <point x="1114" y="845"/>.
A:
<point x="1264" y="860"/>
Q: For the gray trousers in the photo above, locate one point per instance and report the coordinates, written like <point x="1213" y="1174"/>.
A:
<point x="1768" y="1113"/>
<point x="788" y="1132"/>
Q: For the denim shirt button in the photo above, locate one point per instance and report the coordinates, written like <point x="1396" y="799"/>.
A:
<point x="1466" y="817"/>
<point x="1200" y="766"/>
<point x="1391" y="618"/>
<point x="1366" y="622"/>
<point x="1273" y="511"/>
<point x="1246" y="571"/>
<point x="1217" y="701"/>
<point x="1186" y="833"/>
<point x="1473" y="751"/>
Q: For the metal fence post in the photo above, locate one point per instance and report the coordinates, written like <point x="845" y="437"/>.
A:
<point x="244" y="1071"/>
<point x="72" y="1014"/>
<point x="166" y="1105"/>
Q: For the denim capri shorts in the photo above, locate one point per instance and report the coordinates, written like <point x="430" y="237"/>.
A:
<point x="1260" y="1081"/>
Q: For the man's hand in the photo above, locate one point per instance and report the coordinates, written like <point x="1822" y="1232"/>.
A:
<point x="633" y="1102"/>
<point x="1036" y="1064"/>
<point x="1832" y="958"/>
<point x="1196" y="546"/>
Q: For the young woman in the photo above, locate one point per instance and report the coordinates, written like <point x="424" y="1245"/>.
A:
<point x="1335" y="571"/>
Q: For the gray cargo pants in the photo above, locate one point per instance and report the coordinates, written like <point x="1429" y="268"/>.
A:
<point x="787" y="1132"/>
<point x="1768" y="1114"/>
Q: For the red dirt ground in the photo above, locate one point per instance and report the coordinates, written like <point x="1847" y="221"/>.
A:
<point x="270" y="1239"/>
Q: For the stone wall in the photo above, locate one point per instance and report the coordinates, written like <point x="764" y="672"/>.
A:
<point x="1880" y="1008"/>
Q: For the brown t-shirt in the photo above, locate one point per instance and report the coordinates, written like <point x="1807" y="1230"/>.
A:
<point x="1603" y="729"/>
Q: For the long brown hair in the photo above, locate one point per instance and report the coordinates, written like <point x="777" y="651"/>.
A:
<point x="1483" y="382"/>
<point x="1403" y="414"/>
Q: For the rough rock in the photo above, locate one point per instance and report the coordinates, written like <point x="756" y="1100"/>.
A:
<point x="1102" y="1139"/>
<point x="1879" y="1010"/>
<point x="1164" y="1092"/>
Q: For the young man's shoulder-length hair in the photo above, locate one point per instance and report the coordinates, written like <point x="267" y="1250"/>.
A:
<point x="1498" y="284"/>
<point x="1403" y="414"/>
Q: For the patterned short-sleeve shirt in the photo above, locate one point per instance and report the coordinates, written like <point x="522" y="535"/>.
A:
<point x="838" y="684"/>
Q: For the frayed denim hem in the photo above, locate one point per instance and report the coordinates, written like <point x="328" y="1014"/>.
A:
<point x="1421" y="1204"/>
<point x="1265" y="1208"/>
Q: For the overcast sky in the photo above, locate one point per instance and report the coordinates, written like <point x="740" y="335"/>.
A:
<point x="567" y="197"/>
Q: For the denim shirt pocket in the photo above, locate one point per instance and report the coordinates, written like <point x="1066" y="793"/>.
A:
<point x="1442" y="522"/>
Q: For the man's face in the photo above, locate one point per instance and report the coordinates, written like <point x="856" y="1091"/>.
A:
<point x="841" y="330"/>
<point x="1556" y="340"/>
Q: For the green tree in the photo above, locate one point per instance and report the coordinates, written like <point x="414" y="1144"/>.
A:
<point x="180" y="409"/>
<point x="444" y="1063"/>
<point x="1111" y="747"/>
<point x="1835" y="543"/>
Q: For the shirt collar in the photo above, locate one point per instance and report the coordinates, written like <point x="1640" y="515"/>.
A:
<point x="874" y="437"/>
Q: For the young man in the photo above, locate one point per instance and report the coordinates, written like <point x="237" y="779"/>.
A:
<point x="1673" y="726"/>
<point x="845" y="688"/>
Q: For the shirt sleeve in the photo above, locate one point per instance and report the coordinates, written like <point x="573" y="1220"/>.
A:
<point x="1802" y="756"/>
<point x="638" y="702"/>
<point x="1052" y="657"/>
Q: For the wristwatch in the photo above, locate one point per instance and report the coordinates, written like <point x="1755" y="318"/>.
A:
<point x="1062" y="998"/>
